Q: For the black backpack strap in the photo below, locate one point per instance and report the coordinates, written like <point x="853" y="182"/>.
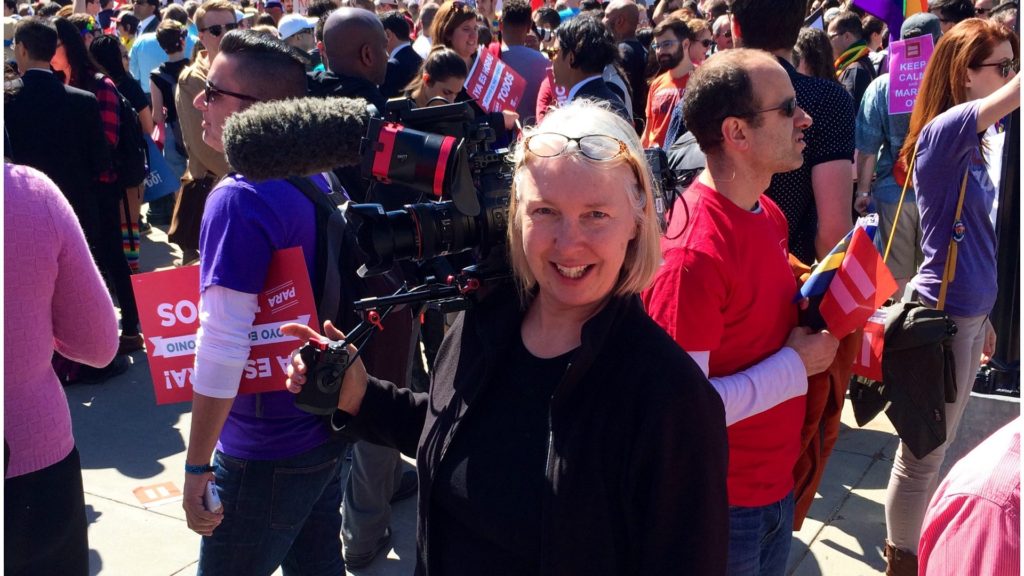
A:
<point x="335" y="254"/>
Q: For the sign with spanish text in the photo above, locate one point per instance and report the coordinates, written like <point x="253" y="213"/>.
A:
<point x="168" y="303"/>
<point x="907" y="62"/>
<point x="494" y="85"/>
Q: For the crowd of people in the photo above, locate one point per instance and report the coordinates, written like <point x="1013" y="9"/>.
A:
<point x="642" y="397"/>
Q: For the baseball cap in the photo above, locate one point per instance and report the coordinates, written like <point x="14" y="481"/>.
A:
<point x="385" y="2"/>
<point x="920" y="24"/>
<point x="274" y="4"/>
<point x="292" y="24"/>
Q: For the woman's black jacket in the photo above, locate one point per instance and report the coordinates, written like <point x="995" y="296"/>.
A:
<point x="637" y="449"/>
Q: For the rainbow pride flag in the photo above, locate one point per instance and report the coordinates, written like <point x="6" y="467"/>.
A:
<point x="892" y="12"/>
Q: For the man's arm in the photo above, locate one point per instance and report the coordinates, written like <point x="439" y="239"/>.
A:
<point x="865" y="172"/>
<point x="833" y="184"/>
<point x="222" y="347"/>
<point x="777" y="378"/>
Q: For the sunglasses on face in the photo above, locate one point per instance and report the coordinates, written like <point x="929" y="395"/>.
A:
<point x="211" y="93"/>
<point x="788" y="108"/>
<point x="218" y="29"/>
<point x="1005" y="66"/>
<point x="707" y="42"/>
<point x="667" y="44"/>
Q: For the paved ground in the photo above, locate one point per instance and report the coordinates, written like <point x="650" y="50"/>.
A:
<point x="130" y="445"/>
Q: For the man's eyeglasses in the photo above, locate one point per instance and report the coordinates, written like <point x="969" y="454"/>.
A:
<point x="666" y="44"/>
<point x="211" y="92"/>
<point x="594" y="146"/>
<point x="788" y="108"/>
<point x="218" y="29"/>
<point x="1005" y="66"/>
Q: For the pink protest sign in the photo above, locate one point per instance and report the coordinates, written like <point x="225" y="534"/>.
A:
<point x="907" y="61"/>
<point x="168" y="304"/>
<point x="494" y="85"/>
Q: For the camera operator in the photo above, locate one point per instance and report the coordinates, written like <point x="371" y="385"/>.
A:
<point x="566" y="375"/>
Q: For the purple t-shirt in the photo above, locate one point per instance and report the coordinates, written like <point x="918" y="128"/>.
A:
<point x="947" y="146"/>
<point x="243" y="225"/>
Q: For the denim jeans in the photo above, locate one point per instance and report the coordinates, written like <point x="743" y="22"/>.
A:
<point x="759" y="538"/>
<point x="277" y="513"/>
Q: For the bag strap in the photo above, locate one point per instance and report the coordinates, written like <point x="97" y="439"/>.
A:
<point x="899" y="207"/>
<point x="320" y="202"/>
<point x="949" y="273"/>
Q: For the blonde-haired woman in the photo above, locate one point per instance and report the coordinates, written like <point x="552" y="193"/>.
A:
<point x="564" y="432"/>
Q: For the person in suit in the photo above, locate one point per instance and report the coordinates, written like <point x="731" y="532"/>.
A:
<point x="582" y="49"/>
<point x="54" y="128"/>
<point x="403" y="61"/>
<point x="148" y="13"/>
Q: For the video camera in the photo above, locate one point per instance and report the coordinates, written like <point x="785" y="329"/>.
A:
<point x="442" y="152"/>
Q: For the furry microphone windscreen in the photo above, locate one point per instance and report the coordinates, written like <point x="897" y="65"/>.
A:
<point x="297" y="137"/>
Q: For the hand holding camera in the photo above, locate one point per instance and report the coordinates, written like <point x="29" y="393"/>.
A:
<point x="321" y="373"/>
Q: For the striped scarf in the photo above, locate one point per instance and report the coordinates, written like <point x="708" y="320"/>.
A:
<point x="856" y="51"/>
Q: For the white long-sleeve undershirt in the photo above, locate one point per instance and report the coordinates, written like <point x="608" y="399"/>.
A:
<point x="760" y="387"/>
<point x="222" y="343"/>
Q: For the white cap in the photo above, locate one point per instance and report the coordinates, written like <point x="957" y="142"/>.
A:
<point x="292" y="24"/>
<point x="381" y="2"/>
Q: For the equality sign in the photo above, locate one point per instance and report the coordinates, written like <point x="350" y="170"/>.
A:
<point x="869" y="362"/>
<point x="907" y="61"/>
<point x="168" y="304"/>
<point x="494" y="85"/>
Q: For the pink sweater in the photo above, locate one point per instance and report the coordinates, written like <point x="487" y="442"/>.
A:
<point x="54" y="299"/>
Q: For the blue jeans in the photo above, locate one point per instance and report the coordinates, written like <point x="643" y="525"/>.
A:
<point x="277" y="513"/>
<point x="759" y="538"/>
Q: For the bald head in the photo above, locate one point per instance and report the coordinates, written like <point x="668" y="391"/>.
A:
<point x="355" y="44"/>
<point x="723" y="86"/>
<point x="621" y="17"/>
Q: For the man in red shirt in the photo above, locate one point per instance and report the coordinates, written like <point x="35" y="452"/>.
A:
<point x="671" y="44"/>
<point x="725" y="292"/>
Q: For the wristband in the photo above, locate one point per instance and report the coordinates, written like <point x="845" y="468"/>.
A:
<point x="198" y="469"/>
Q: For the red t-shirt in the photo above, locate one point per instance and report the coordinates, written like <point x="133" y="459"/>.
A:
<point x="664" y="94"/>
<point x="726" y="287"/>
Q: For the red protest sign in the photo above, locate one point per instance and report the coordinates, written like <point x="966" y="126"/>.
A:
<point x="494" y="85"/>
<point x="168" y="303"/>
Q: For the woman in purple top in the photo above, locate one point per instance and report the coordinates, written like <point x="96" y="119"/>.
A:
<point x="970" y="83"/>
<point x="54" y="299"/>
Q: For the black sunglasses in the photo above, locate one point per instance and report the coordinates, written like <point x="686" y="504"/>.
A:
<point x="707" y="42"/>
<point x="218" y="29"/>
<point x="1005" y="66"/>
<point x="788" y="108"/>
<point x="210" y="92"/>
